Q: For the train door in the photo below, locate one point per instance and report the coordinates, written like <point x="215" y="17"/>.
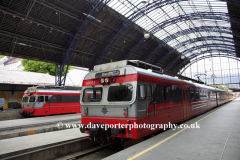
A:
<point x="144" y="100"/>
<point x="142" y="103"/>
<point x="47" y="104"/>
<point x="185" y="102"/>
<point x="217" y="98"/>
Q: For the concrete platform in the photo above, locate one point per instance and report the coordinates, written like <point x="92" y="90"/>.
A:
<point x="218" y="138"/>
<point x="35" y="121"/>
<point x="8" y="114"/>
<point x="35" y="125"/>
<point x="46" y="143"/>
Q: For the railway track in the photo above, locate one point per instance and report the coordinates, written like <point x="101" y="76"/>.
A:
<point x="81" y="153"/>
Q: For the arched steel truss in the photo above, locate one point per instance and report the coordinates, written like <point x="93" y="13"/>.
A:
<point x="226" y="30"/>
<point x="209" y="56"/>
<point x="190" y="41"/>
<point x="212" y="29"/>
<point x="102" y="54"/>
<point x="45" y="30"/>
<point x="216" y="51"/>
<point x="226" y="46"/>
<point x="193" y="16"/>
<point x="95" y="8"/>
<point x="108" y="44"/>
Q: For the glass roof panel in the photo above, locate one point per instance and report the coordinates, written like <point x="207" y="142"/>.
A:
<point x="163" y="15"/>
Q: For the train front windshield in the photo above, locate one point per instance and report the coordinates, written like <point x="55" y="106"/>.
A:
<point x="120" y="93"/>
<point x="32" y="99"/>
<point x="92" y="95"/>
<point x="25" y="99"/>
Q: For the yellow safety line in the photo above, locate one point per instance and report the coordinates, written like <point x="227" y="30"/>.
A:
<point x="150" y="148"/>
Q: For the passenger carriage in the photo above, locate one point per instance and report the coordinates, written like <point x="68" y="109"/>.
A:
<point x="135" y="92"/>
<point x="49" y="100"/>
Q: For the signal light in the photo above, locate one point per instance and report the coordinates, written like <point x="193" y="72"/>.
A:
<point x="113" y="80"/>
<point x="85" y="111"/>
<point x="125" y="112"/>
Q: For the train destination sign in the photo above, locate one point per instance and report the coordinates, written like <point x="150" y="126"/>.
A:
<point x="107" y="74"/>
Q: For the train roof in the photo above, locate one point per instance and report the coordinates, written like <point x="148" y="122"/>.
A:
<point x="146" y="69"/>
<point x="53" y="88"/>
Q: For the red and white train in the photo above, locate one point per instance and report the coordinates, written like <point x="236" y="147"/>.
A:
<point x="135" y="92"/>
<point x="49" y="100"/>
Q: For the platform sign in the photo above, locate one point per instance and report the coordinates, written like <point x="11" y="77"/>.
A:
<point x="5" y="95"/>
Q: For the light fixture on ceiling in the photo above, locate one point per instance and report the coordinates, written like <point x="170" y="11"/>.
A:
<point x="146" y="34"/>
<point x="183" y="56"/>
<point x="92" y="18"/>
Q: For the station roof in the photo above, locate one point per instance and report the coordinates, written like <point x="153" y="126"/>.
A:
<point x="89" y="32"/>
<point x="31" y="78"/>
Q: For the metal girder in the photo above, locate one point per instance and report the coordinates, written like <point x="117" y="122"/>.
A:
<point x="199" y="47"/>
<point x="235" y="2"/>
<point x="230" y="52"/>
<point x="209" y="56"/>
<point x="226" y="30"/>
<point x="191" y="16"/>
<point x="68" y="56"/>
<point x="125" y="24"/>
<point x="38" y="44"/>
<point x="190" y="41"/>
<point x="45" y="24"/>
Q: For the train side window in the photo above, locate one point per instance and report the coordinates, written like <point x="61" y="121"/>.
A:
<point x="180" y="93"/>
<point x="197" y="94"/>
<point x="149" y="91"/>
<point x="191" y="92"/>
<point x="74" y="98"/>
<point x="157" y="95"/>
<point x="183" y="92"/>
<point x="40" y="98"/>
<point x="70" y="98"/>
<point x="46" y="98"/>
<point x="53" y="99"/>
<point x="164" y="93"/>
<point x="138" y="91"/>
<point x="142" y="91"/>
<point x="176" y="93"/>
<point x="169" y="94"/>
<point x="59" y="99"/>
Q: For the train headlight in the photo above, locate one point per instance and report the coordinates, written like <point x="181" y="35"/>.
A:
<point x="101" y="80"/>
<point x="106" y="80"/>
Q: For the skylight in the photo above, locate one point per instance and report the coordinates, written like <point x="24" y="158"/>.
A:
<point x="204" y="10"/>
